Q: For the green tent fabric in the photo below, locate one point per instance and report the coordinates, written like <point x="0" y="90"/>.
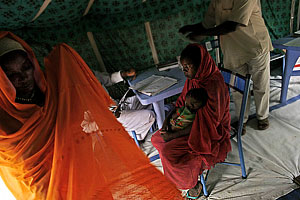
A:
<point x="118" y="27"/>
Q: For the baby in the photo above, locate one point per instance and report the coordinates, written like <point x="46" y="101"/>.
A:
<point x="184" y="116"/>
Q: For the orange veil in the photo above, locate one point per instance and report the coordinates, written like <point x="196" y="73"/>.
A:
<point x="73" y="147"/>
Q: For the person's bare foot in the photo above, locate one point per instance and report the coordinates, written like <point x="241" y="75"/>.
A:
<point x="195" y="191"/>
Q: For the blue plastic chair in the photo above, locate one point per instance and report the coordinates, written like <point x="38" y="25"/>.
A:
<point x="276" y="56"/>
<point x="241" y="84"/>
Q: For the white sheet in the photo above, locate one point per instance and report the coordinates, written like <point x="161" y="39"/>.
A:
<point x="5" y="194"/>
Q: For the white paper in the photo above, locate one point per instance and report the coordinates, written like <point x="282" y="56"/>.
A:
<point x="297" y="32"/>
<point x="294" y="43"/>
<point x="166" y="67"/>
<point x="154" y="84"/>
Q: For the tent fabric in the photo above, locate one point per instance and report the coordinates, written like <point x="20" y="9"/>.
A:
<point x="106" y="14"/>
<point x="63" y="21"/>
<point x="118" y="28"/>
<point x="73" y="147"/>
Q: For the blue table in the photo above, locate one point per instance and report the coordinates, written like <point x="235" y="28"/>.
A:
<point x="292" y="55"/>
<point x="158" y="100"/>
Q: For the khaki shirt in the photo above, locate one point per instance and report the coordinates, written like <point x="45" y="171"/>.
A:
<point x="249" y="40"/>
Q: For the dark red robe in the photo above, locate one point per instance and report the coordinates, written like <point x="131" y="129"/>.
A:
<point x="208" y="143"/>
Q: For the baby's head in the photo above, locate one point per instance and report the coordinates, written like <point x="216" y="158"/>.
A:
<point x="195" y="98"/>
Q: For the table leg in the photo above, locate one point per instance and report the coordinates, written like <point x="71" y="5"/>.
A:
<point x="291" y="59"/>
<point x="160" y="112"/>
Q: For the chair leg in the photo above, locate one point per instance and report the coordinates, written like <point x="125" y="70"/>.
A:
<point x="283" y="65"/>
<point x="155" y="157"/>
<point x="241" y="155"/>
<point x="153" y="127"/>
<point x="204" y="185"/>
<point x="135" y="138"/>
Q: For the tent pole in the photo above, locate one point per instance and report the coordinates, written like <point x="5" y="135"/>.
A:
<point x="96" y="51"/>
<point x="151" y="41"/>
<point x="42" y="9"/>
<point x="292" y="16"/>
<point x="298" y="19"/>
<point x="88" y="7"/>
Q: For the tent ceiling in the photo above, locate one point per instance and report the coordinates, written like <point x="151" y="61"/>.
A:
<point x="17" y="14"/>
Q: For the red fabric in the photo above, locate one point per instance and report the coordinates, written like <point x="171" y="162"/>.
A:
<point x="73" y="147"/>
<point x="209" y="140"/>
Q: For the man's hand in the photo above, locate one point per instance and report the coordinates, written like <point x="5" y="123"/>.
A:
<point x="185" y="29"/>
<point x="192" y="36"/>
<point x="129" y="73"/>
<point x="117" y="113"/>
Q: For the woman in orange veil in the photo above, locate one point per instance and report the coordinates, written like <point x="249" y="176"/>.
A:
<point x="70" y="146"/>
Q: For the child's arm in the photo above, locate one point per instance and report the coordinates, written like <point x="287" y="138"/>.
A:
<point x="168" y="136"/>
<point x="166" y="123"/>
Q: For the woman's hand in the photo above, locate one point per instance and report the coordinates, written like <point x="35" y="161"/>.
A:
<point x="167" y="136"/>
<point x="165" y="126"/>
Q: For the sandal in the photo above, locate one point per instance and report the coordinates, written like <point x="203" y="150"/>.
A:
<point x="194" y="197"/>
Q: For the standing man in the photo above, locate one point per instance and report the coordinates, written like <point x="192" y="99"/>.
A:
<point x="246" y="45"/>
<point x="133" y="115"/>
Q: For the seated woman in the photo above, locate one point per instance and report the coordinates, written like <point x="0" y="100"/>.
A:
<point x="58" y="139"/>
<point x="188" y="152"/>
